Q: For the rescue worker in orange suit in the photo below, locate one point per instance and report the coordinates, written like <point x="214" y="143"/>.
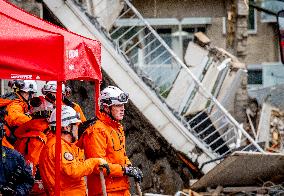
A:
<point x="105" y="139"/>
<point x="49" y="90"/>
<point x="73" y="167"/>
<point x="31" y="137"/>
<point x="17" y="110"/>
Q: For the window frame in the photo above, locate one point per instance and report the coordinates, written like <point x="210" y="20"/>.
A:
<point x="255" y="67"/>
<point x="253" y="31"/>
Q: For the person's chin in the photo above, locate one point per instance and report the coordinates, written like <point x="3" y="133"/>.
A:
<point x="120" y="117"/>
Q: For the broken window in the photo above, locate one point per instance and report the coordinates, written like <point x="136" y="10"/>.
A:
<point x="255" y="77"/>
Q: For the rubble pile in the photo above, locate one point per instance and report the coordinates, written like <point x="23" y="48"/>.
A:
<point x="276" y="131"/>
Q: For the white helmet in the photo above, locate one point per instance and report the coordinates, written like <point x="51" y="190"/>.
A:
<point x="51" y="87"/>
<point x="68" y="116"/>
<point x="112" y="95"/>
<point x="24" y="85"/>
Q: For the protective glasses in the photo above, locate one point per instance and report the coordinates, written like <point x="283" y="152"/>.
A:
<point x="123" y="97"/>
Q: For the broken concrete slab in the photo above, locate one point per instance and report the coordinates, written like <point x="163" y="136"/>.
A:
<point x="264" y="124"/>
<point x="243" y="169"/>
<point x="196" y="55"/>
<point x="202" y="39"/>
<point x="273" y="95"/>
<point x="197" y="59"/>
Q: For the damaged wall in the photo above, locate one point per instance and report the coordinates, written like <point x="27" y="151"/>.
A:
<point x="180" y="8"/>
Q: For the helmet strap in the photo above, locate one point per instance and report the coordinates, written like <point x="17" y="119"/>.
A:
<point x="110" y="113"/>
<point x="73" y="139"/>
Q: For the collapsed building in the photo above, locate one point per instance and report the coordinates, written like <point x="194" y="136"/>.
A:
<point x="185" y="116"/>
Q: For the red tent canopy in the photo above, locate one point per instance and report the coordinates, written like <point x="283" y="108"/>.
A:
<point x="27" y="52"/>
<point x="81" y="55"/>
<point x="31" y="48"/>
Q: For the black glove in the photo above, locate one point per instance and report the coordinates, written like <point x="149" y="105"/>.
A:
<point x="134" y="172"/>
<point x="106" y="167"/>
<point x="7" y="191"/>
<point x="103" y="164"/>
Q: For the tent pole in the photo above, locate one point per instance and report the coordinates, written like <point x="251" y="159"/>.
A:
<point x="58" y="137"/>
<point x="97" y="96"/>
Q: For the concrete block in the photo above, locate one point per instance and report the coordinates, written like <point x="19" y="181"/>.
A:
<point x="264" y="124"/>
<point x="199" y="102"/>
<point x="179" y="90"/>
<point x="202" y="39"/>
<point x="194" y="55"/>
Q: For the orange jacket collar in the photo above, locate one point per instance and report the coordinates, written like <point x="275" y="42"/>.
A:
<point x="106" y="119"/>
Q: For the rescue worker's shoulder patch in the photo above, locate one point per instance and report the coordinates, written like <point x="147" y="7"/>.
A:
<point x="68" y="156"/>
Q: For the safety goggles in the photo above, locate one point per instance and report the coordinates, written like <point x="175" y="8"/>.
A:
<point x="123" y="97"/>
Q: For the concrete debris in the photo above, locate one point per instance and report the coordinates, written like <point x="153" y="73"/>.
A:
<point x="202" y="39"/>
<point x="269" y="119"/>
<point x="244" y="173"/>
<point x="187" y="192"/>
<point x="235" y="62"/>
<point x="268" y="188"/>
<point x="276" y="131"/>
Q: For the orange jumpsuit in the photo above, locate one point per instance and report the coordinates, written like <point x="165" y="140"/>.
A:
<point x="31" y="137"/>
<point x="78" y="109"/>
<point x="73" y="168"/>
<point x="105" y="139"/>
<point x="16" y="113"/>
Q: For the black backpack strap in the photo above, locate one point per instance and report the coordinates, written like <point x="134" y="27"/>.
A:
<point x="84" y="125"/>
<point x="27" y="146"/>
<point x="67" y="102"/>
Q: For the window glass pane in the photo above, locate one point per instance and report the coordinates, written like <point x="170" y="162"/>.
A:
<point x="254" y="76"/>
<point x="272" y="5"/>
<point x="251" y="18"/>
<point x="156" y="53"/>
<point x="201" y="29"/>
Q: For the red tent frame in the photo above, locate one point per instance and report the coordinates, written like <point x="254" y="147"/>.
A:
<point x="34" y="49"/>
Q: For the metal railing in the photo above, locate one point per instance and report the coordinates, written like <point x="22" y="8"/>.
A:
<point x="151" y="57"/>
